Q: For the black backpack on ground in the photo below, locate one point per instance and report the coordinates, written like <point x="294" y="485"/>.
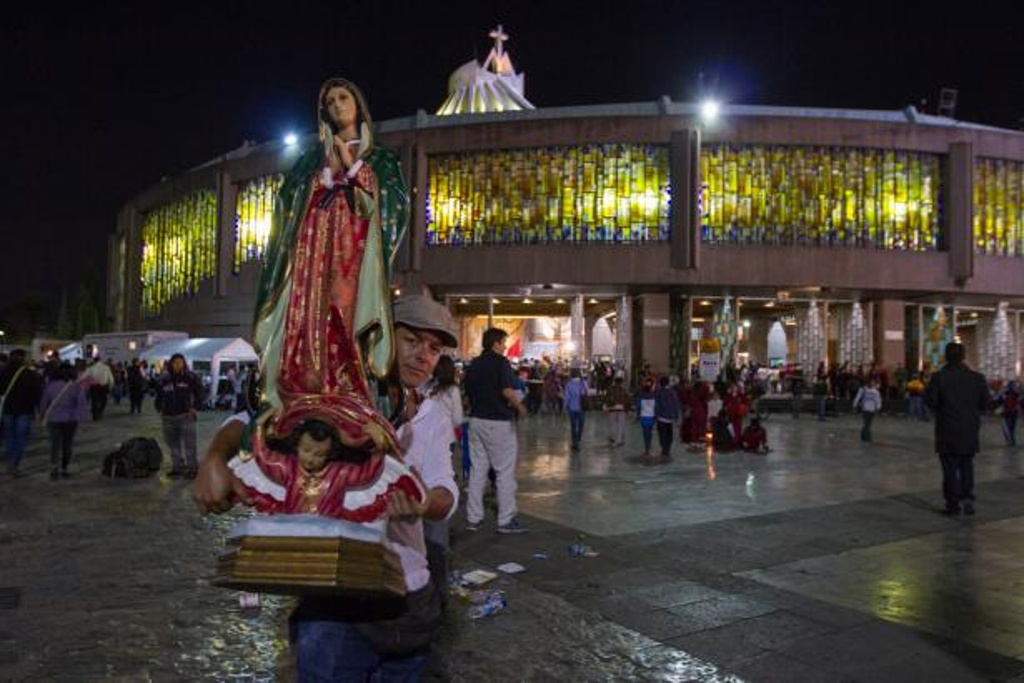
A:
<point x="136" y="458"/>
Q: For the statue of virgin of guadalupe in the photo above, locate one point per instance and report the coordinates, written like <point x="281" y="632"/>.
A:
<point x="323" y="315"/>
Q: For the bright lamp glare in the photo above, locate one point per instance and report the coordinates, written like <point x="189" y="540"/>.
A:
<point x="709" y="110"/>
<point x="291" y="139"/>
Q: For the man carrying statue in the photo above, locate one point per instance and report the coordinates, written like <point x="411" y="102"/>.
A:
<point x="325" y="334"/>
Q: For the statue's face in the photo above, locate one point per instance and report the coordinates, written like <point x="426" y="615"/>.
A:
<point x="341" y="107"/>
<point x="312" y="453"/>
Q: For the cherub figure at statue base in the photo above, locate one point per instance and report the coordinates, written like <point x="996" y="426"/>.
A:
<point x="317" y="470"/>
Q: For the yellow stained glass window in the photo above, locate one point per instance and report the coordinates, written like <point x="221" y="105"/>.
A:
<point x="254" y="208"/>
<point x="179" y="249"/>
<point x="999" y="207"/>
<point x="822" y="196"/>
<point x="594" y="193"/>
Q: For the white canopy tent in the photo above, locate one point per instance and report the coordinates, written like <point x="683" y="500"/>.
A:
<point x="204" y="355"/>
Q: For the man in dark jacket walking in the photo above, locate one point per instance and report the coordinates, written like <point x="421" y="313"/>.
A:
<point x="957" y="396"/>
<point x="179" y="394"/>
<point x="22" y="387"/>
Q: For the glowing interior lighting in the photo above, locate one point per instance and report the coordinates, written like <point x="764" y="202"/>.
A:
<point x="559" y="301"/>
<point x="463" y="300"/>
<point x="495" y="301"/>
<point x="592" y="300"/>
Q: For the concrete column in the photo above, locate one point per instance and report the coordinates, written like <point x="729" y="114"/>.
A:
<point x="654" y="348"/>
<point x="825" y="311"/>
<point x="624" y="334"/>
<point x="1016" y="345"/>
<point x="871" y="332"/>
<point x="920" y="337"/>
<point x="688" y="346"/>
<point x="417" y="232"/>
<point x="684" y="213"/>
<point x="131" y="220"/>
<point x="890" y="338"/>
<point x="576" y="328"/>
<point x="960" y="211"/>
<point x="490" y="310"/>
<point x="589" y="321"/>
<point x="227" y="198"/>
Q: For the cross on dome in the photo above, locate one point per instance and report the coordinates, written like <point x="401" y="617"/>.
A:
<point x="500" y="37"/>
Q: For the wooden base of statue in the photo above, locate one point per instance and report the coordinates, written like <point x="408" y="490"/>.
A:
<point x="313" y="564"/>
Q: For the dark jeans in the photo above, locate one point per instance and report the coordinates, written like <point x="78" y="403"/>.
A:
<point x="1010" y="429"/>
<point x="647" y="427"/>
<point x="957" y="479"/>
<point x="865" y="431"/>
<point x="62" y="436"/>
<point x="17" y="429"/>
<point x="576" y="426"/>
<point x="135" y="399"/>
<point x="98" y="394"/>
<point x="180" y="436"/>
<point x="665" y="436"/>
<point x="337" y="651"/>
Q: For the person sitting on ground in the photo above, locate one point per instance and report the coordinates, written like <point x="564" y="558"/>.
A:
<point x="721" y="437"/>
<point x="755" y="438"/>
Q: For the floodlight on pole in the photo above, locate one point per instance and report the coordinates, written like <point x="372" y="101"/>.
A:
<point x="709" y="110"/>
<point x="291" y="139"/>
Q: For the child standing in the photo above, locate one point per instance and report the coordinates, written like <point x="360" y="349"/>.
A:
<point x="645" y="413"/>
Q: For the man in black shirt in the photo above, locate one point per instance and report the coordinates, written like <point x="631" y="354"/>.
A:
<point x="492" y="436"/>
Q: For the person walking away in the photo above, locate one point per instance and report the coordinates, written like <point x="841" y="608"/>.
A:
<point x="62" y="407"/>
<point x="820" y="393"/>
<point x="645" y="402"/>
<point x="796" y="388"/>
<point x="22" y="388"/>
<point x="136" y="387"/>
<point x="179" y="395"/>
<point x="101" y="381"/>
<point x="1009" y="404"/>
<point x="957" y="396"/>
<point x="616" y="403"/>
<point x="574" y="396"/>
<point x="492" y="437"/>
<point x="868" y="401"/>
<point x="667" y="412"/>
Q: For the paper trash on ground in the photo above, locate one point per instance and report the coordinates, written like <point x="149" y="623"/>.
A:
<point x="478" y="577"/>
<point x="511" y="568"/>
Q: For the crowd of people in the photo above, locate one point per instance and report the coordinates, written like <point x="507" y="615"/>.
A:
<point x="62" y="395"/>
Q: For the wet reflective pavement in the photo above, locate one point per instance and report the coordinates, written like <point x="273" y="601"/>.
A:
<point x="825" y="560"/>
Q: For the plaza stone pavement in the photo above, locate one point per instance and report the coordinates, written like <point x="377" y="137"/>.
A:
<point x="826" y="560"/>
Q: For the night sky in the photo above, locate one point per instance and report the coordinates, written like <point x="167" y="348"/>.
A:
<point x="102" y="101"/>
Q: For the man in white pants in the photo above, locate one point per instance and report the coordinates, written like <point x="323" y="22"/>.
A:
<point x="492" y="434"/>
